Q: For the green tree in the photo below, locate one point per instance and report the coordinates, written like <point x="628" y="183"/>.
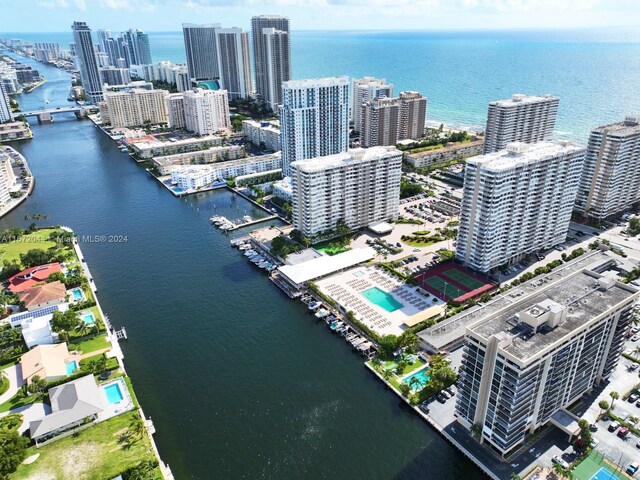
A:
<point x="145" y="470"/>
<point x="35" y="257"/>
<point x="634" y="226"/>
<point x="137" y="427"/>
<point x="409" y="341"/>
<point x="38" y="386"/>
<point x="342" y="229"/>
<point x="603" y="405"/>
<point x="585" y="432"/>
<point x="9" y="269"/>
<point x="64" y="322"/>
<point x="405" y="389"/>
<point x="409" y="189"/>
<point x="614" y="396"/>
<point x="388" y="344"/>
<point x="13" y="450"/>
<point x="56" y="277"/>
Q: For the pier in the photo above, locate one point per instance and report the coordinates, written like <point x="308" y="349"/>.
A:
<point x="254" y="222"/>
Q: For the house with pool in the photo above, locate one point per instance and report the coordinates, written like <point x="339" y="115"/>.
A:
<point x="43" y="296"/>
<point x="36" y="324"/>
<point x="31" y="277"/>
<point x="51" y="362"/>
<point x="78" y="402"/>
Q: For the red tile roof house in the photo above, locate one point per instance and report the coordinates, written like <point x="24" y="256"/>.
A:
<point x="42" y="296"/>
<point x="32" y="276"/>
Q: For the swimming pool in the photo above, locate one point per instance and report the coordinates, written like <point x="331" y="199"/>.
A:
<point x="359" y="273"/>
<point x="114" y="393"/>
<point x="72" y="366"/>
<point x="77" y="294"/>
<point x="382" y="299"/>
<point x="88" y="318"/>
<point x="421" y="376"/>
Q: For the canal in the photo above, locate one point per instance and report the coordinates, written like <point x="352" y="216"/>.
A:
<point x="240" y="381"/>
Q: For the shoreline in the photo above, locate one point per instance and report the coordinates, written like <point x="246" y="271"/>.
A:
<point x="27" y="194"/>
<point x="118" y="354"/>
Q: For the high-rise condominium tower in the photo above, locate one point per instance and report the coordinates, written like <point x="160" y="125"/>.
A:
<point x="138" y="44"/>
<point x="201" y="50"/>
<point x="386" y="121"/>
<point x="87" y="61"/>
<point x="522" y="118"/>
<point x="206" y="111"/>
<point x="234" y="64"/>
<point x="610" y="181"/>
<point x="5" y="108"/>
<point x="359" y="187"/>
<point x="364" y="90"/>
<point x="314" y="118"/>
<point x="271" y="56"/>
<point x="527" y="359"/>
<point x="517" y="201"/>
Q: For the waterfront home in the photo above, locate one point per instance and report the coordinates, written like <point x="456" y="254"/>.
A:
<point x="32" y="276"/>
<point x="50" y="362"/>
<point x="43" y="296"/>
<point x="72" y="404"/>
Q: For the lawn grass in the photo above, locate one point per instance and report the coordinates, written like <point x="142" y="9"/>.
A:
<point x="97" y="452"/>
<point x="18" y="400"/>
<point x="325" y="247"/>
<point x="36" y="240"/>
<point x="92" y="345"/>
<point x="4" y="384"/>
<point x="419" y="244"/>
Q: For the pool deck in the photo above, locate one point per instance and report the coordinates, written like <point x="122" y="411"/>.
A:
<point x="346" y="288"/>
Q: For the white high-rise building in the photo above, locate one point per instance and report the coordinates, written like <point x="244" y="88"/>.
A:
<point x="314" y="118"/>
<point x="175" y="110"/>
<point x="364" y="90"/>
<point x="134" y="107"/>
<point x="517" y="201"/>
<point x="271" y="56"/>
<point x="610" y="181"/>
<point x="5" y="107"/>
<point x="234" y="63"/>
<point x="522" y="118"/>
<point x="87" y="61"/>
<point x="359" y="187"/>
<point x="206" y="111"/>
<point x="528" y="357"/>
<point x="202" y="53"/>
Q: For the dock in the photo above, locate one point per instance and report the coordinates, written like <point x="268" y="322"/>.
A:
<point x="254" y="222"/>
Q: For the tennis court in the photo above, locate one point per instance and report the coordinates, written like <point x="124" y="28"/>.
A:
<point x="451" y="281"/>
<point x="595" y="467"/>
<point x="467" y="280"/>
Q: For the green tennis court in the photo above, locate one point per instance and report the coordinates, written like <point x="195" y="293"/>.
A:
<point x="595" y="467"/>
<point x="440" y="285"/>
<point x="467" y="280"/>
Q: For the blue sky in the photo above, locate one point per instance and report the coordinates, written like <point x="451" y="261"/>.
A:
<point x="167" y="15"/>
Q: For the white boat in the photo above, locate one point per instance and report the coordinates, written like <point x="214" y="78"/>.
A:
<point x="314" y="305"/>
<point x="247" y="219"/>
<point x="322" y="313"/>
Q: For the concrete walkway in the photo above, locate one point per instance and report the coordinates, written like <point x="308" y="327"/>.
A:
<point x="32" y="412"/>
<point x="14" y="374"/>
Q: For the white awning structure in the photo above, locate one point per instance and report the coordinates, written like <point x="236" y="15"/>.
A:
<point x="325" y="265"/>
<point x="380" y="228"/>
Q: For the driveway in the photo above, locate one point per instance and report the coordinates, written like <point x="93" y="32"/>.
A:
<point x="32" y="412"/>
<point x="14" y="374"/>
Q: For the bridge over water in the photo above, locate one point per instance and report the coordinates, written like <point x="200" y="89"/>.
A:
<point x="56" y="110"/>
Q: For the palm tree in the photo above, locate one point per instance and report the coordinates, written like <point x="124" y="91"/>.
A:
<point x="559" y="470"/>
<point x="604" y="406"/>
<point x="137" y="427"/>
<point x="633" y="420"/>
<point x="614" y="396"/>
<point x="636" y="351"/>
<point x="414" y="383"/>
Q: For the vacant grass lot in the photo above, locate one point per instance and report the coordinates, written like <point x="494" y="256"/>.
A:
<point x="101" y="451"/>
<point x="36" y="240"/>
<point x="88" y="346"/>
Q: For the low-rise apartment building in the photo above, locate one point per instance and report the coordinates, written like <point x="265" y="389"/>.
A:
<point x="167" y="163"/>
<point x="451" y="151"/>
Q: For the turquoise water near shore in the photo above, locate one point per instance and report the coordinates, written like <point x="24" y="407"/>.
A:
<point x="594" y="72"/>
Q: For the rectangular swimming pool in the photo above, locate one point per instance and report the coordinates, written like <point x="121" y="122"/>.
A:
<point x="77" y="294"/>
<point x="72" y="366"/>
<point x="382" y="299"/>
<point x="114" y="394"/>
<point x="88" y="318"/>
<point x="421" y="377"/>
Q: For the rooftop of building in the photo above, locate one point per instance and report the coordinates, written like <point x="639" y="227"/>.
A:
<point x="316" y="82"/>
<point x="577" y="298"/>
<point x="346" y="158"/>
<point x="448" y="331"/>
<point x="629" y="126"/>
<point x="161" y="140"/>
<point x="522" y="99"/>
<point x="230" y="163"/>
<point x="518" y="153"/>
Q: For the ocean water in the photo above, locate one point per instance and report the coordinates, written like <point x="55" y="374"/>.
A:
<point x="594" y="72"/>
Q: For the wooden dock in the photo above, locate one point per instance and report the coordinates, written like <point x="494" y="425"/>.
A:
<point x="253" y="222"/>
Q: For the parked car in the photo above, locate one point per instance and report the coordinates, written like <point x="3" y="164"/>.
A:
<point x="635" y="338"/>
<point x="446" y="394"/>
<point x="559" y="461"/>
<point x="633" y="397"/>
<point x="424" y="407"/>
<point x="613" y="426"/>
<point x="633" y="468"/>
<point x="441" y="398"/>
<point x="622" y="433"/>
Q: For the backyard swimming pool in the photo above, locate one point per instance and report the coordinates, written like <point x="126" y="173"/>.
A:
<point x="88" y="318"/>
<point x="72" y="366"/>
<point x="382" y="299"/>
<point x="421" y="376"/>
<point x="114" y="393"/>
<point x="77" y="294"/>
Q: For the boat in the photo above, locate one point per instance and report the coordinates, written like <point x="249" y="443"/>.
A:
<point x="350" y="336"/>
<point x="247" y="219"/>
<point x="341" y="328"/>
<point x="314" y="305"/>
<point x="322" y="313"/>
<point x="335" y="325"/>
